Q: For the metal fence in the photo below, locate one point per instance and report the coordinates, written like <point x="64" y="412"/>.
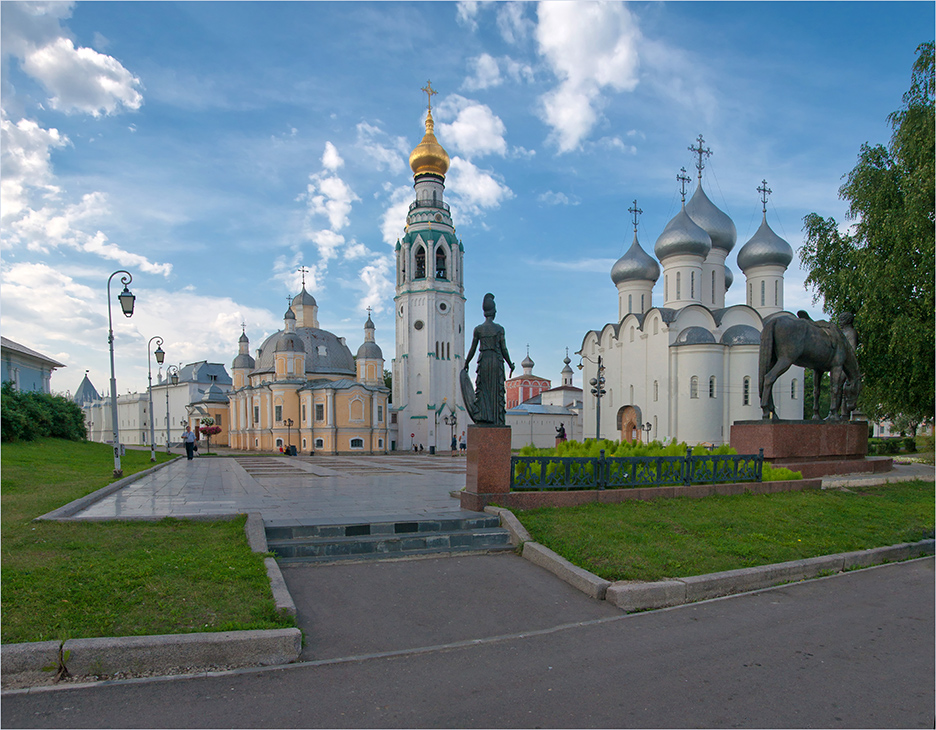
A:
<point x="563" y="473"/>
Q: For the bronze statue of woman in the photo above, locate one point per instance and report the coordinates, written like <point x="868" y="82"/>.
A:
<point x="487" y="402"/>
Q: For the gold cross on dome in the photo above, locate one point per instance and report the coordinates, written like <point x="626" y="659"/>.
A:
<point x="430" y="92"/>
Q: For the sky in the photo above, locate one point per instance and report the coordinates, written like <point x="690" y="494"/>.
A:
<point x="212" y="149"/>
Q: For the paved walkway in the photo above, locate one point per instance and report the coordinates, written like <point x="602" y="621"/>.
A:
<point x="288" y="489"/>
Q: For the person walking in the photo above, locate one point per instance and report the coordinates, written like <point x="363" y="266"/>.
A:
<point x="462" y="444"/>
<point x="454" y="445"/>
<point x="188" y="438"/>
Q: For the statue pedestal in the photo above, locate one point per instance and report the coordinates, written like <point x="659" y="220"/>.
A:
<point x="488" y="465"/>
<point x="815" y="448"/>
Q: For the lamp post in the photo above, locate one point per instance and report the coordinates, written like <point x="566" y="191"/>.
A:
<point x="172" y="373"/>
<point x="126" y="299"/>
<point x="289" y="423"/>
<point x="647" y="427"/>
<point x="452" y="421"/>
<point x="160" y="356"/>
<point x="597" y="390"/>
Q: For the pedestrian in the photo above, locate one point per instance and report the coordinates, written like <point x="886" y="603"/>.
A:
<point x="188" y="438"/>
<point x="454" y="445"/>
<point x="462" y="444"/>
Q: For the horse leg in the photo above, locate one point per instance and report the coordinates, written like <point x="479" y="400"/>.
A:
<point x="816" y="388"/>
<point x="768" y="409"/>
<point x="837" y="380"/>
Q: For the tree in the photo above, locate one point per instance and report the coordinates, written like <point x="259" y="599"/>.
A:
<point x="882" y="268"/>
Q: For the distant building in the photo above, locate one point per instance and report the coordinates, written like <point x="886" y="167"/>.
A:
<point x="526" y="385"/>
<point x="305" y="389"/>
<point x="27" y="369"/>
<point x="537" y="419"/>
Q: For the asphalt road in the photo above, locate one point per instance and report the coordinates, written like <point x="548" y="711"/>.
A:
<point x="853" y="650"/>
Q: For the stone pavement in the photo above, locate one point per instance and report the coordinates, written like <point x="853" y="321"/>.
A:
<point x="287" y="489"/>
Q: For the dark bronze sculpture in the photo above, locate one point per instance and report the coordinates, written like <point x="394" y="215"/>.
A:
<point x="486" y="403"/>
<point x="820" y="346"/>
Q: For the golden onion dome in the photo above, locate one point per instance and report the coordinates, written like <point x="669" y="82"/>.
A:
<point x="429" y="156"/>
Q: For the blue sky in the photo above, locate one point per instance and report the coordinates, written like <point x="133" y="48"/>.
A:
<point x="214" y="148"/>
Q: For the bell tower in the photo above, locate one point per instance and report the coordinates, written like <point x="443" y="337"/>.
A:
<point x="430" y="305"/>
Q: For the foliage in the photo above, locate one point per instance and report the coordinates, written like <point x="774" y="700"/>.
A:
<point x="825" y="395"/>
<point x="26" y="416"/>
<point x="208" y="428"/>
<point x="674" y="538"/>
<point x="591" y="448"/>
<point x="891" y="445"/>
<point x="85" y="579"/>
<point x="388" y="383"/>
<point x="882" y="269"/>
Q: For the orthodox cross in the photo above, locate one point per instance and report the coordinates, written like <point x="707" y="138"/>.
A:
<point x="430" y="92"/>
<point x="302" y="270"/>
<point x="636" y="212"/>
<point x="243" y="328"/>
<point x="368" y="310"/>
<point x="684" y="180"/>
<point x="764" y="191"/>
<point x="702" y="152"/>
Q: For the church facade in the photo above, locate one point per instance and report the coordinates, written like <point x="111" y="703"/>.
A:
<point x="687" y="368"/>
<point x="305" y="389"/>
<point x="430" y="309"/>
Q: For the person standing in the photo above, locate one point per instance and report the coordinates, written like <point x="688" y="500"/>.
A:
<point x="188" y="438"/>
<point x="462" y="444"/>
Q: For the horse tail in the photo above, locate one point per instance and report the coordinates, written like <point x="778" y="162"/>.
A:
<point x="766" y="355"/>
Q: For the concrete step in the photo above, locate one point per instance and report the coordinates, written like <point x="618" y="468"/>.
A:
<point x="383" y="540"/>
<point x="395" y="526"/>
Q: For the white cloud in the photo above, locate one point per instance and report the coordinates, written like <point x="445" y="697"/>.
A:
<point x="590" y="47"/>
<point x="467" y="13"/>
<point x="512" y="22"/>
<point x="553" y="198"/>
<point x="476" y="130"/>
<point x="83" y="80"/>
<point x="475" y="189"/>
<point x="485" y="73"/>
<point x="356" y="250"/>
<point x="377" y="278"/>
<point x="384" y="151"/>
<point x="327" y="242"/>
<point x="27" y="167"/>
<point x="331" y="160"/>
<point x="393" y="221"/>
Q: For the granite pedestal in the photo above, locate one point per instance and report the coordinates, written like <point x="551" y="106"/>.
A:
<point x="487" y="470"/>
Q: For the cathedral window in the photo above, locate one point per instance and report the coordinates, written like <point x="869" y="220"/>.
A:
<point x="666" y="287"/>
<point x="746" y="397"/>
<point x="763" y="293"/>
<point x="303" y="416"/>
<point x="750" y="295"/>
<point x="630" y="303"/>
<point x="440" y="263"/>
<point x="656" y="390"/>
<point x="631" y="334"/>
<point x="279" y="443"/>
<point x="656" y="326"/>
<point x="319" y="411"/>
<point x="694" y="387"/>
<point x="420" y="263"/>
<point x="794" y="387"/>
<point x="256" y="415"/>
<point x="357" y="443"/>
<point x="713" y="287"/>
<point x="711" y="387"/>
<point x="678" y="285"/>
<point x="379" y="414"/>
<point x="776" y="293"/>
<point x="320" y="443"/>
<point x="278" y="411"/>
<point x="692" y="285"/>
<point x="641" y="303"/>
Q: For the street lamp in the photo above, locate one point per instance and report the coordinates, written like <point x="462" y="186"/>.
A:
<point x="452" y="421"/>
<point x="647" y="427"/>
<point x="597" y="390"/>
<point x="289" y="423"/>
<point x="126" y="299"/>
<point x="160" y="356"/>
<point x="172" y="373"/>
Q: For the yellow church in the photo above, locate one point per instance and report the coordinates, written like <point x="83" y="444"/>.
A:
<point x="306" y="390"/>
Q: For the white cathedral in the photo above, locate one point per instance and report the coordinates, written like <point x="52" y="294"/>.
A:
<point x="688" y="369"/>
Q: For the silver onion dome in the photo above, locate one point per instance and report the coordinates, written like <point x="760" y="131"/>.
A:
<point x="303" y="298"/>
<point x="682" y="236"/>
<point x="370" y="351"/>
<point x="765" y="248"/>
<point x="729" y="278"/>
<point x="635" y="265"/>
<point x="712" y="220"/>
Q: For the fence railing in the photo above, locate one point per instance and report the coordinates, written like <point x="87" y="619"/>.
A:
<point x="539" y="473"/>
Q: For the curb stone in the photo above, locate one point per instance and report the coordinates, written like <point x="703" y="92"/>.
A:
<point x="518" y="533"/>
<point x="26" y="663"/>
<point x="642" y="596"/>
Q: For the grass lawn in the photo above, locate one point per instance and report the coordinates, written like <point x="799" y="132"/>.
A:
<point x="673" y="538"/>
<point x="80" y="580"/>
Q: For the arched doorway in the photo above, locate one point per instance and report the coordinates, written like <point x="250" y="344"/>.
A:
<point x="629" y="423"/>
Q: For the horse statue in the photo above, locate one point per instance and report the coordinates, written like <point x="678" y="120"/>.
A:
<point x="820" y="346"/>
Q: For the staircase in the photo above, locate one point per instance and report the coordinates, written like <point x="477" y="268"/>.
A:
<point x="393" y="538"/>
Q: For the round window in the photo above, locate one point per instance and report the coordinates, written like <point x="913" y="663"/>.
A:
<point x="438" y="217"/>
<point x="401" y="311"/>
<point x="443" y="307"/>
<point x="418" y="324"/>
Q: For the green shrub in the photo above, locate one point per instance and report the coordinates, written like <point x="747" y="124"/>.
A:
<point x="925" y="443"/>
<point x="31" y="415"/>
